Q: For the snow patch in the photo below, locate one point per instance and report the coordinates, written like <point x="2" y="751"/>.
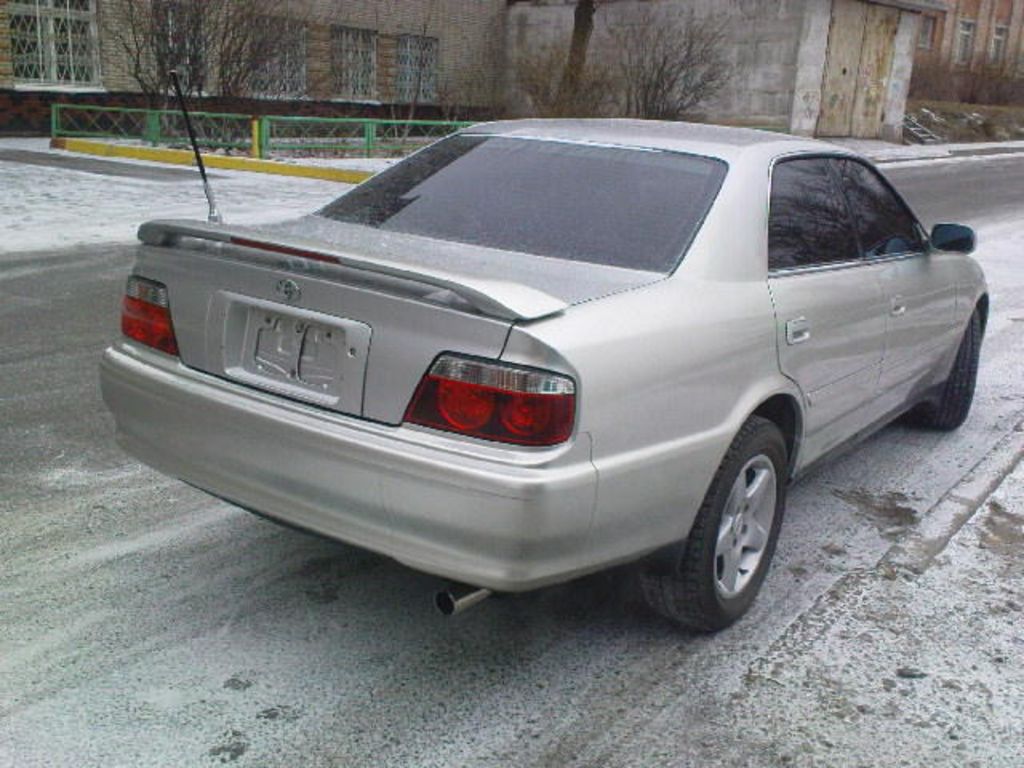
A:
<point x="43" y="208"/>
<point x="68" y="477"/>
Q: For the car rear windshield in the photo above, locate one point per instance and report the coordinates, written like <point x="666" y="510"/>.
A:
<point x="622" y="207"/>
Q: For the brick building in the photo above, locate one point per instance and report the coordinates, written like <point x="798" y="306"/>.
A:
<point x="975" y="36"/>
<point x="357" y="56"/>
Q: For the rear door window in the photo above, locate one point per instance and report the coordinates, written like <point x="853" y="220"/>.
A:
<point x="884" y="225"/>
<point x="623" y="207"/>
<point x="809" y="222"/>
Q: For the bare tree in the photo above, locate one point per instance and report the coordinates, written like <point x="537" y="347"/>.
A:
<point x="539" y="77"/>
<point x="425" y="57"/>
<point x="669" y="64"/>
<point x="226" y="44"/>
<point x="575" y="65"/>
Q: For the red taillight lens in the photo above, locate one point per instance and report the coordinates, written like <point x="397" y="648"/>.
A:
<point x="495" y="401"/>
<point x="146" y="315"/>
<point x="465" y="406"/>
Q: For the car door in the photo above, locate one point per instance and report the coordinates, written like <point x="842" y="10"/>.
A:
<point x="829" y="303"/>
<point x="920" y="287"/>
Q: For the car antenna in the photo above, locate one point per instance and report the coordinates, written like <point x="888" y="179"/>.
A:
<point x="214" y="216"/>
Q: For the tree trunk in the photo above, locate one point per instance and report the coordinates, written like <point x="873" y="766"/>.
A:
<point x="582" y="28"/>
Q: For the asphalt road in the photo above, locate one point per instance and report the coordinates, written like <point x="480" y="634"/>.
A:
<point x="143" y="623"/>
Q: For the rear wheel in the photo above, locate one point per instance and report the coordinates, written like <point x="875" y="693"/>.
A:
<point x="710" y="580"/>
<point x="957" y="392"/>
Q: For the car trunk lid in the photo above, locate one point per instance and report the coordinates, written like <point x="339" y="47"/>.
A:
<point x="343" y="322"/>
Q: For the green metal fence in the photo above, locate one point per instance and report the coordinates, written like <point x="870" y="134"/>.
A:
<point x="348" y="136"/>
<point x="259" y="136"/>
<point x="215" y="130"/>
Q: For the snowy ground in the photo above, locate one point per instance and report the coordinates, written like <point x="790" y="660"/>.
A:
<point x="883" y="151"/>
<point x="53" y="207"/>
<point x="143" y="623"/>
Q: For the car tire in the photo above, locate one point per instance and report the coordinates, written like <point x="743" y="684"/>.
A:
<point x="689" y="583"/>
<point x="957" y="392"/>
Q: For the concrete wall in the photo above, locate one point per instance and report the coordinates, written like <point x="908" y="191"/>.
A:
<point x="778" y="51"/>
<point x="899" y="77"/>
<point x="762" y="40"/>
<point x="810" y="69"/>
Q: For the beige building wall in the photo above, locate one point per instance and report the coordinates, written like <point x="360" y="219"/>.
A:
<point x="470" y="36"/>
<point x="6" y="75"/>
<point x="114" y="70"/>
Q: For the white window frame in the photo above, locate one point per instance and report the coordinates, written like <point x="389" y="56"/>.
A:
<point x="966" y="29"/>
<point x="997" y="44"/>
<point x="47" y="13"/>
<point x="352" y="43"/>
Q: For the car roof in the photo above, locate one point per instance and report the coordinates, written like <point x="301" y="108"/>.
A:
<point x="719" y="141"/>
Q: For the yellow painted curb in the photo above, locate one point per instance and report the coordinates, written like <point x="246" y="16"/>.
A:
<point x="184" y="157"/>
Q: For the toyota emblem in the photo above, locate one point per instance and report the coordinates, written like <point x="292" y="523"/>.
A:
<point x="288" y="289"/>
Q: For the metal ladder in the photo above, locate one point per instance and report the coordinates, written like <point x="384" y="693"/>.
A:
<point x="914" y="132"/>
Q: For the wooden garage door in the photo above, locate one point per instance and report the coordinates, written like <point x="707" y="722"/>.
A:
<point x="861" y="44"/>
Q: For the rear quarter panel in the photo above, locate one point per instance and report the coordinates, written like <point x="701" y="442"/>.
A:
<point x="667" y="375"/>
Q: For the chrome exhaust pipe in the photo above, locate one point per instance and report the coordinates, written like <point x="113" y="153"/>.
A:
<point x="458" y="598"/>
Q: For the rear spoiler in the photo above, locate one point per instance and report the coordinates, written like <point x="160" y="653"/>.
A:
<point x="496" y="298"/>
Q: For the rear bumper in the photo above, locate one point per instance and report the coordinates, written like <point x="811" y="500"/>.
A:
<point x="503" y="519"/>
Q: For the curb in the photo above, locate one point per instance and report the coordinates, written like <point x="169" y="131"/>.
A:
<point x="939" y="524"/>
<point x="185" y="157"/>
<point x="909" y="558"/>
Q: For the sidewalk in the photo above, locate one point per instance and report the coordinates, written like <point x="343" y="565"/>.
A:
<point x="895" y="668"/>
<point x="883" y="152"/>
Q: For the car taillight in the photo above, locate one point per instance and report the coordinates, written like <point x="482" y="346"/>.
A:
<point x="146" y="315"/>
<point x="495" y="401"/>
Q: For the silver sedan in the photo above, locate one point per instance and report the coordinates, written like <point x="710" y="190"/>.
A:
<point x="538" y="349"/>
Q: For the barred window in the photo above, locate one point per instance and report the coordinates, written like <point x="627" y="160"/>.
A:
<point x="354" y="62"/>
<point x="417" y="69"/>
<point x="282" y="69"/>
<point x="53" y="42"/>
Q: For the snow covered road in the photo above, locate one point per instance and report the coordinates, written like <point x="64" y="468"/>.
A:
<point x="143" y="623"/>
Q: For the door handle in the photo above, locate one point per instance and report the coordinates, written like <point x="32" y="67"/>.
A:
<point x="897" y="307"/>
<point x="798" y="330"/>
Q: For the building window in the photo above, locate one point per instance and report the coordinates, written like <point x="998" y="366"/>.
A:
<point x="964" y="42"/>
<point x="997" y="45"/>
<point x="926" y="34"/>
<point x="354" y="62"/>
<point x="281" y="51"/>
<point x="53" y="42"/>
<point x="417" y="69"/>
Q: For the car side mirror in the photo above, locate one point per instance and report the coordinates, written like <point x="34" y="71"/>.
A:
<point x="953" y="237"/>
